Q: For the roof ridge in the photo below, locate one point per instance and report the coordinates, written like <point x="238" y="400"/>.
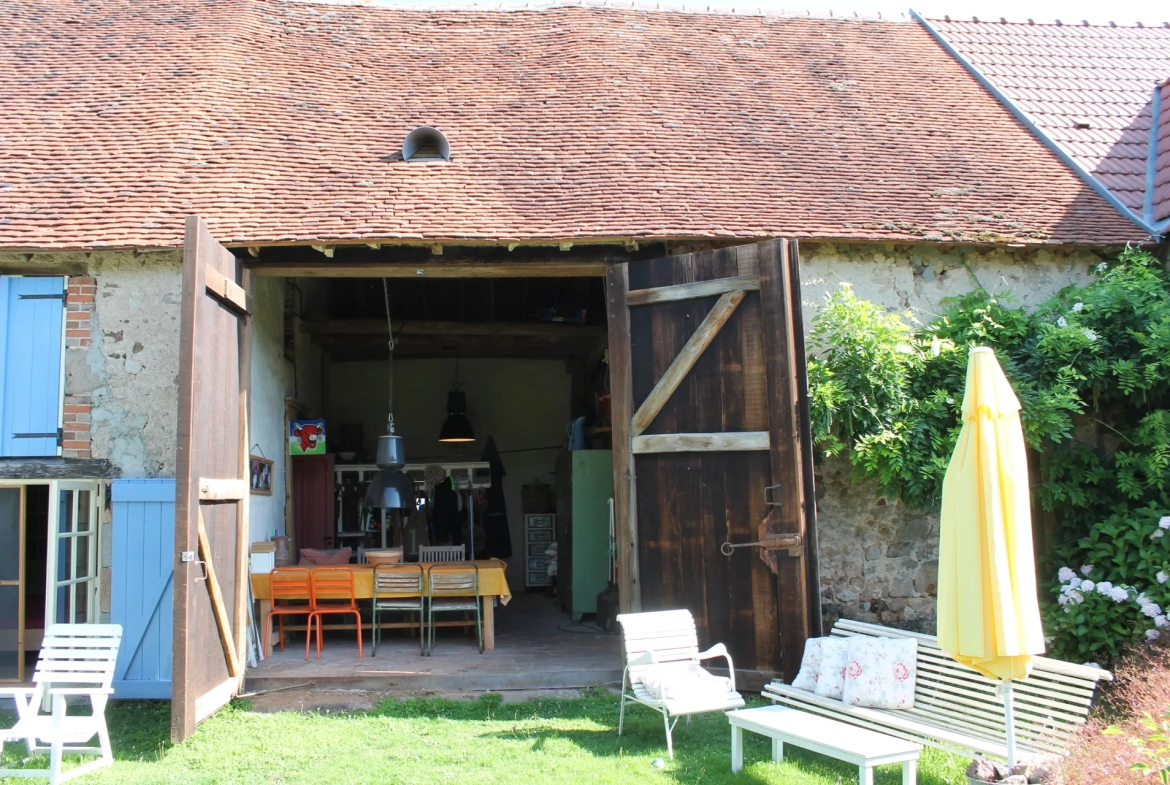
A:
<point x="511" y="6"/>
<point x="947" y="19"/>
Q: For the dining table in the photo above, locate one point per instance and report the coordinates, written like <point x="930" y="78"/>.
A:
<point x="493" y="586"/>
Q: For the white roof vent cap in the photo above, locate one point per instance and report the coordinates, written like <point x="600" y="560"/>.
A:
<point x="426" y="144"/>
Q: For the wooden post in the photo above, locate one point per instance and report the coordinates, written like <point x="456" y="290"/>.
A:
<point x="617" y="285"/>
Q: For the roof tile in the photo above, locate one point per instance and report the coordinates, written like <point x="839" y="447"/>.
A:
<point x="279" y="122"/>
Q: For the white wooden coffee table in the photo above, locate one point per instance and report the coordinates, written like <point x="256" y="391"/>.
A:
<point x="863" y="748"/>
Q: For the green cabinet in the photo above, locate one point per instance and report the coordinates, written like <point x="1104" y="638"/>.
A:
<point x="584" y="488"/>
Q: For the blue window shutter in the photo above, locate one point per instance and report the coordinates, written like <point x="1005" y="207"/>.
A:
<point x="32" y="311"/>
<point x="142" y="586"/>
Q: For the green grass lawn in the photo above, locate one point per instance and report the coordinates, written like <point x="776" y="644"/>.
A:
<point x="444" y="741"/>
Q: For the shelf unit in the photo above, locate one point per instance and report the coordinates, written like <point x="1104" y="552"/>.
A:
<point x="540" y="532"/>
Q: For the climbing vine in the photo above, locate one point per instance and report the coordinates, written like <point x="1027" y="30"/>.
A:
<point x="1091" y="367"/>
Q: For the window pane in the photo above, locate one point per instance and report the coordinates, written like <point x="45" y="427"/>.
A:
<point x="64" y="558"/>
<point x="82" y="565"/>
<point x="9" y="534"/>
<point x="64" y="604"/>
<point x="9" y="633"/>
<point x="81" y="594"/>
<point x="65" y="519"/>
<point x="83" y="511"/>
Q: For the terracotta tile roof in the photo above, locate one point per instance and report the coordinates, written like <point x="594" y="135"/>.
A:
<point x="1162" y="162"/>
<point x="1089" y="88"/>
<point x="278" y="121"/>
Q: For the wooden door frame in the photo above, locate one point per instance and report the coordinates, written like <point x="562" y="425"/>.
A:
<point x="792" y="554"/>
<point x="193" y="555"/>
<point x="21" y="578"/>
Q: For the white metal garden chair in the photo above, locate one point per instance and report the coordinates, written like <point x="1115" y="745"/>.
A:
<point x="433" y="553"/>
<point x="75" y="660"/>
<point x="663" y="669"/>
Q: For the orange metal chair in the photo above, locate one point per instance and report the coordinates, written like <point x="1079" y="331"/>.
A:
<point x="293" y="586"/>
<point x="333" y="592"/>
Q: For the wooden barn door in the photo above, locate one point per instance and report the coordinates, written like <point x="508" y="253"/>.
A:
<point x="708" y="391"/>
<point x="211" y="486"/>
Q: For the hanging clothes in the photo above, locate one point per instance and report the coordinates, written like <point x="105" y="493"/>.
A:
<point x="446" y="516"/>
<point x="495" y="520"/>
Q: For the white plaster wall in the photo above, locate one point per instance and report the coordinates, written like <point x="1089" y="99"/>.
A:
<point x="522" y="403"/>
<point x="272" y="381"/>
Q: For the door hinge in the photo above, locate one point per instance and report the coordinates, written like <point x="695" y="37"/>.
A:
<point x="187" y="556"/>
<point x="773" y="542"/>
<point x="58" y="434"/>
<point x="60" y="296"/>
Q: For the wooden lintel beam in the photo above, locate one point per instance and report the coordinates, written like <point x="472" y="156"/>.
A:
<point x="567" y="269"/>
<point x="690" y="291"/>
<point x="354" y="328"/>
<point x="686" y="360"/>
<point x="743" y="441"/>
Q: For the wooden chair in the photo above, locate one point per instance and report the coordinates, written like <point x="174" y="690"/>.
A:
<point x="453" y="588"/>
<point x="440" y="553"/>
<point x="75" y="659"/>
<point x="663" y="669"/>
<point x="333" y="593"/>
<point x="399" y="587"/>
<point x="958" y="710"/>
<point x="293" y="586"/>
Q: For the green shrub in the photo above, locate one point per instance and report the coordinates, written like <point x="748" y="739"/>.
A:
<point x="1091" y="368"/>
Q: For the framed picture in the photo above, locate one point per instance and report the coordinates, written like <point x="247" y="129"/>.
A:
<point x="260" y="474"/>
<point x="306" y="437"/>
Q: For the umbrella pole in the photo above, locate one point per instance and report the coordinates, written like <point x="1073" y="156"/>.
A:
<point x="1010" y="718"/>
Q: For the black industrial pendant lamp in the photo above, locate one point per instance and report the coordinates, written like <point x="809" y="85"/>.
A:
<point x="456" y="428"/>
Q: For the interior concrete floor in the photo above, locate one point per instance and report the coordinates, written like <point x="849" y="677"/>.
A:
<point x="537" y="648"/>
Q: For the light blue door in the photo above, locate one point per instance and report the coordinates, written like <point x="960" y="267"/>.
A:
<point x="32" y="311"/>
<point x="142" y="586"/>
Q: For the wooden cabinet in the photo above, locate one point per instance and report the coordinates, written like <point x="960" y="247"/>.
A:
<point x="584" y="487"/>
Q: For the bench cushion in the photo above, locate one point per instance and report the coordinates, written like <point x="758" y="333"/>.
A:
<point x="831" y="678"/>
<point x="880" y="673"/>
<point x="810" y="666"/>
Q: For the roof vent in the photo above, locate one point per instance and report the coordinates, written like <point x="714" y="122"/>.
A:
<point x="426" y="144"/>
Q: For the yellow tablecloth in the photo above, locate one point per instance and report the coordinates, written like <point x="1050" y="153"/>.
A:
<point x="492" y="582"/>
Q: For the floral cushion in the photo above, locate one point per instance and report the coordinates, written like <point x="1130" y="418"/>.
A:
<point x="810" y="666"/>
<point x="880" y="672"/>
<point x="831" y="676"/>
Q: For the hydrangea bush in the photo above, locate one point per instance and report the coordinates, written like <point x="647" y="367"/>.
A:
<point x="1091" y="368"/>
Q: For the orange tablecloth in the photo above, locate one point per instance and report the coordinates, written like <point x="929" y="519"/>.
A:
<point x="492" y="582"/>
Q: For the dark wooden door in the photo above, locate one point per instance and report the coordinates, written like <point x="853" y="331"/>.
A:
<point x="707" y="375"/>
<point x="211" y="483"/>
<point x="314" y="502"/>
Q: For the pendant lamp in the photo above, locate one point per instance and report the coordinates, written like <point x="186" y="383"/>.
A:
<point x="390" y="488"/>
<point x="456" y="428"/>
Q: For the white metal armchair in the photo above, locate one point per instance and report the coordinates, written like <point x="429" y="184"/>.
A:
<point x="75" y="660"/>
<point x="663" y="669"/>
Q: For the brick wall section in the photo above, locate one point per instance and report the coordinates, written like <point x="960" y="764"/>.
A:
<point x="79" y="308"/>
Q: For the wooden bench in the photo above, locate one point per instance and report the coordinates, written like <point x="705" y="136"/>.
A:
<point x="958" y="710"/>
<point x="863" y="748"/>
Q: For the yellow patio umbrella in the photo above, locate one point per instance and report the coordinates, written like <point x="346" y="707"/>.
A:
<point x="988" y="614"/>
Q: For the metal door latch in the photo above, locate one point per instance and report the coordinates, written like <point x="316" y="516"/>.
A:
<point x="777" y="542"/>
<point x="187" y="556"/>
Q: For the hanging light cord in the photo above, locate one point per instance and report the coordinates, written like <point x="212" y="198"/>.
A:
<point x="390" y="333"/>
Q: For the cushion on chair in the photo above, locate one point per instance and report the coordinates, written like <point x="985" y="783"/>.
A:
<point x="831" y="676"/>
<point x="311" y="556"/>
<point x="881" y="672"/>
<point x="810" y="666"/>
<point x="684" y="681"/>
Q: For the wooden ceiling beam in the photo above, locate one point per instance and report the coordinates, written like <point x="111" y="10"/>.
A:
<point x="351" y="329"/>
